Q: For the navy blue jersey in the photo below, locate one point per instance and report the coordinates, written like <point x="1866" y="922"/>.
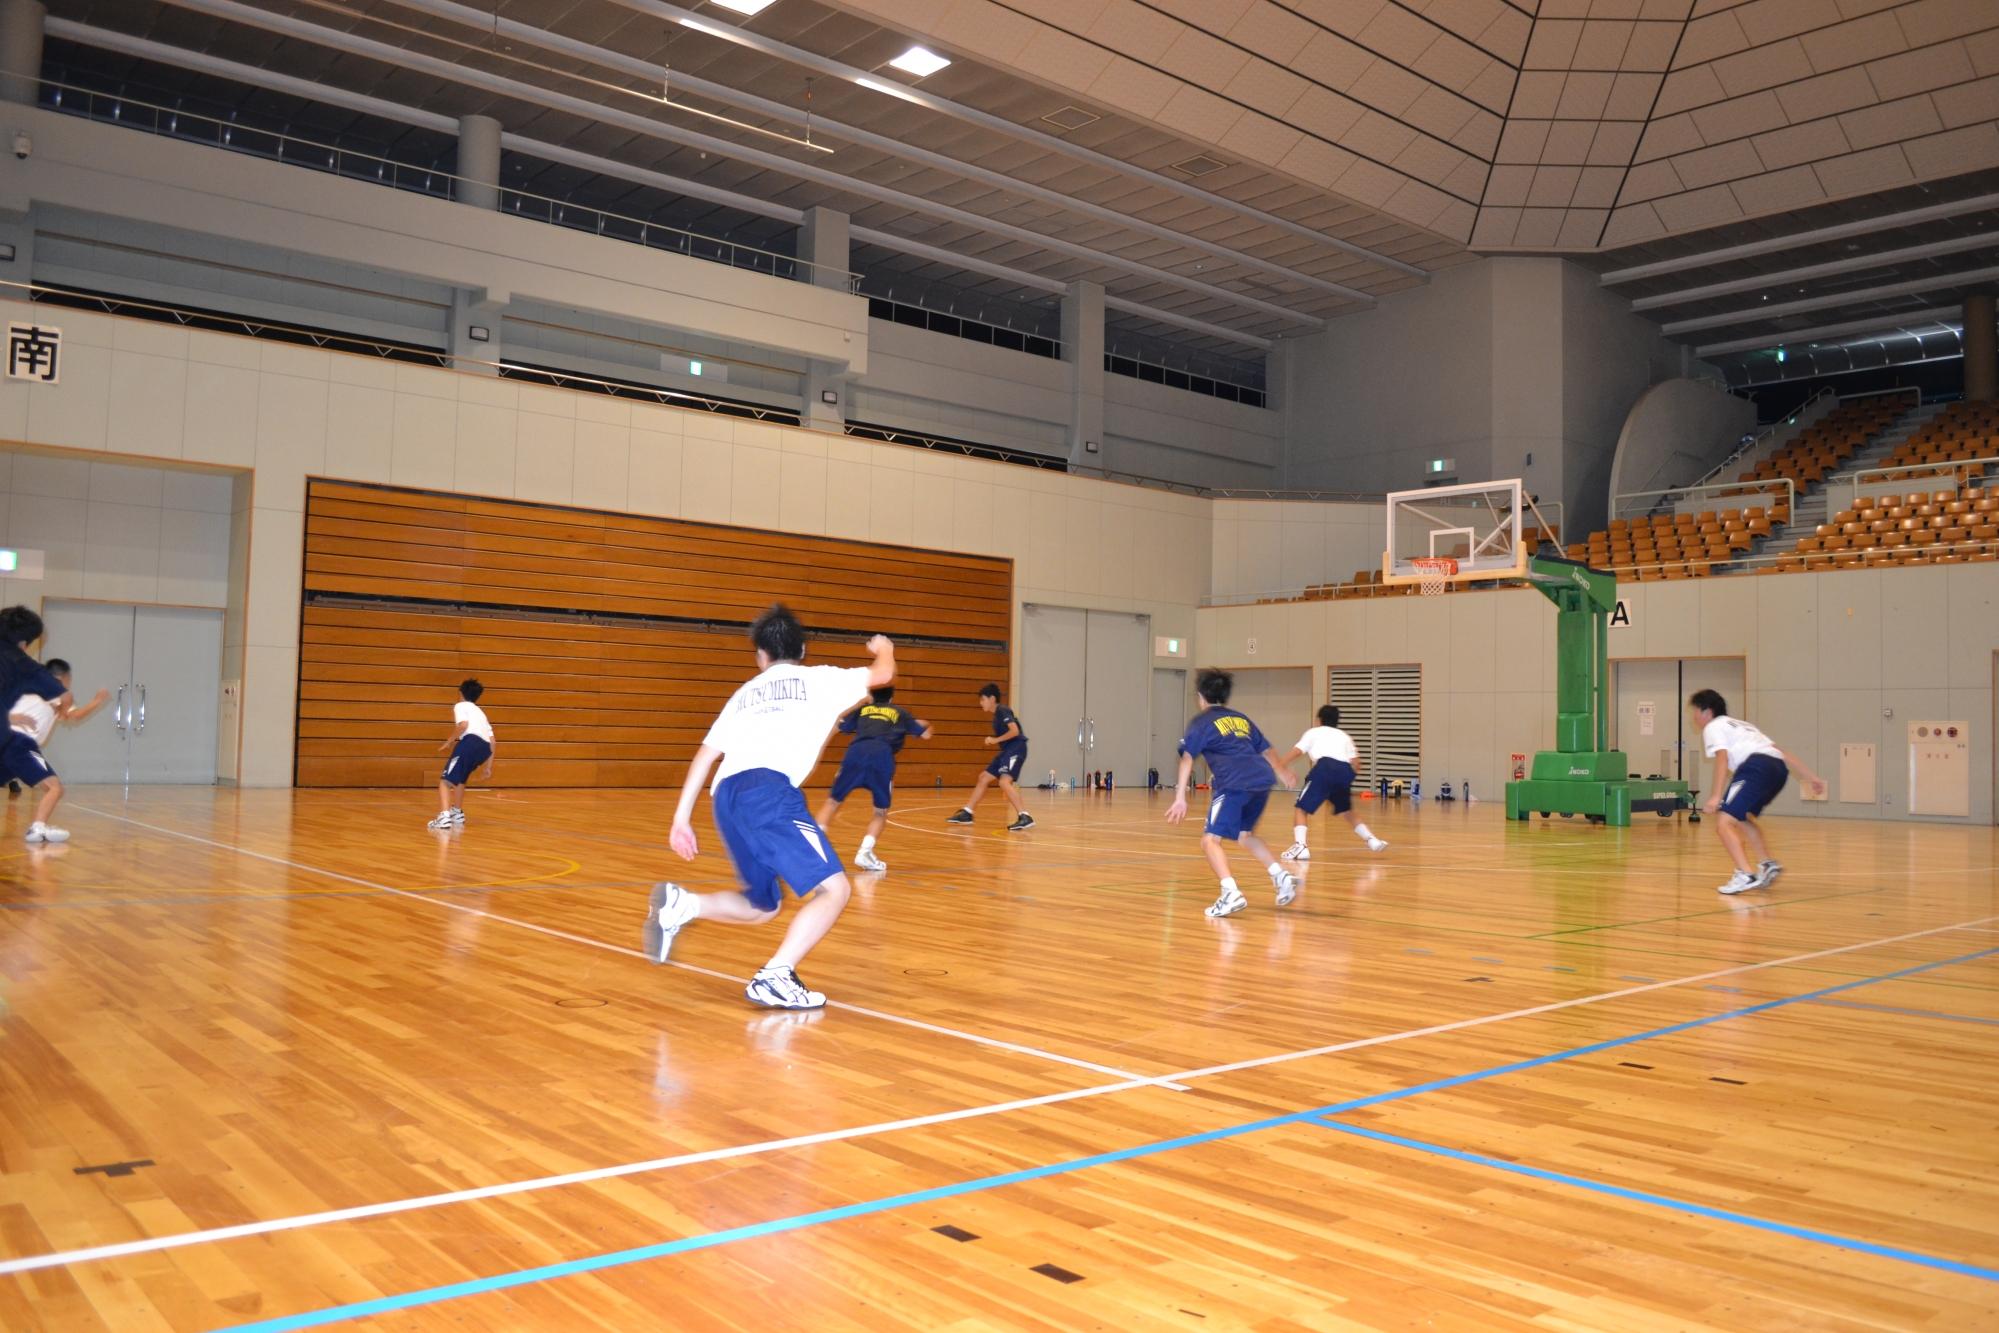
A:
<point x="1004" y="717"/>
<point x="890" y="724"/>
<point x="21" y="674"/>
<point x="1233" y="747"/>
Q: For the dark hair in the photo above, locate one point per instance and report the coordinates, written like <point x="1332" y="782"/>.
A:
<point x="1709" y="700"/>
<point x="778" y="635"/>
<point x="881" y="694"/>
<point x="471" y="689"/>
<point x="989" y="691"/>
<point x="1215" y="685"/>
<point x="1329" y="716"/>
<point x="55" y="666"/>
<point x="19" y="625"/>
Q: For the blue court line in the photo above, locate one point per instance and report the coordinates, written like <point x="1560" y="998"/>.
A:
<point x="1913" y="1013"/>
<point x="618" y="1258"/>
<point x="1677" y="1205"/>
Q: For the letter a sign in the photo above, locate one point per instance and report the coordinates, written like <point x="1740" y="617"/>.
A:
<point x="1621" y="617"/>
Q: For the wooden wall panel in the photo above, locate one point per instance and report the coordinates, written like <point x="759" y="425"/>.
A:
<point x="582" y="703"/>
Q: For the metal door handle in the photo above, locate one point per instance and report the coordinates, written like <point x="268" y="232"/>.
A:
<point x="141" y="728"/>
<point x="118" y="710"/>
<point x="1093" y="733"/>
<point x="1079" y="733"/>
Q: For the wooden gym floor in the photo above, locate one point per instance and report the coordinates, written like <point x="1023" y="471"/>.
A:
<point x="279" y="1059"/>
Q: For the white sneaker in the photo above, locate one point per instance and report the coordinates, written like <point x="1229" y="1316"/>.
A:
<point x="457" y="817"/>
<point x="442" y="823"/>
<point x="1228" y="904"/>
<point x="40" y="832"/>
<point x="780" y="988"/>
<point x="1376" y="845"/>
<point x="672" y="907"/>
<point x="1297" y="851"/>
<point x="1768" y="871"/>
<point x="1741" y="882"/>
<point x="1287" y="889"/>
<point x="869" y="861"/>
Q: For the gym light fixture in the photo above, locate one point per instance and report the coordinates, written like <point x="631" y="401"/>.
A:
<point x="919" y="61"/>
<point x="748" y="7"/>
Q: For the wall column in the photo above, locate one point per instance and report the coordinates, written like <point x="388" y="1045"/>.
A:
<point x="478" y="161"/>
<point x="822" y="243"/>
<point x="1083" y="349"/>
<point x="472" y="311"/>
<point x="1981" y="349"/>
<point x="21" y="49"/>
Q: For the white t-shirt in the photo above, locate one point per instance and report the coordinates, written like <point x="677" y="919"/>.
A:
<point x="780" y="719"/>
<point x="1328" y="743"/>
<point x="42" y="711"/>
<point x="474" y="718"/>
<point x="1738" y="738"/>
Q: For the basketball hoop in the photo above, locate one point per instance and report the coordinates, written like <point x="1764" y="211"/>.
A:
<point x="1437" y="572"/>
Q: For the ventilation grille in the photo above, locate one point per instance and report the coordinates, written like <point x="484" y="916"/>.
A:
<point x="1071" y="118"/>
<point x="1382" y="709"/>
<point x="1200" y="164"/>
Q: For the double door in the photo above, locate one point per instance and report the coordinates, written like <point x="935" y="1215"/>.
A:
<point x="163" y="668"/>
<point x="1086" y="693"/>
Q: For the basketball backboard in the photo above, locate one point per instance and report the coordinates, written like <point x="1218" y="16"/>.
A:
<point x="1478" y="524"/>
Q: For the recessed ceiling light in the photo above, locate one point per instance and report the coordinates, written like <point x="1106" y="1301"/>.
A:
<point x="751" y="7"/>
<point x="919" y="61"/>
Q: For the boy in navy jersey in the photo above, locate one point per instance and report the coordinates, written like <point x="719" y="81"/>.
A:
<point x="1006" y="766"/>
<point x="878" y="728"/>
<point x="766" y="740"/>
<point x="1244" y="766"/>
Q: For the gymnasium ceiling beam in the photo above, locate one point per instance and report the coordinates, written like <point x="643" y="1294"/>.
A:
<point x="1896" y="323"/>
<point x="999" y="124"/>
<point x="398" y="57"/>
<point x="659" y="76"/>
<point x="1856" y="264"/>
<point x="1757" y="313"/>
<point x="147" y="49"/>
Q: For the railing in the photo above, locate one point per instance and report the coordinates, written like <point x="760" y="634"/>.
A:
<point x="1260" y="493"/>
<point x="1737" y="488"/>
<point x="1911" y="469"/>
<point x="295" y="150"/>
<point x="1762" y="437"/>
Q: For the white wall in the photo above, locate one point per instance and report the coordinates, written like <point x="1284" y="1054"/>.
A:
<point x="937" y="384"/>
<point x="1284" y="546"/>
<point x="1675" y="432"/>
<point x="1826" y="654"/>
<point x="1152" y="430"/>
<point x="284" y="413"/>
<point x="115" y="532"/>
<point x="1610" y="356"/>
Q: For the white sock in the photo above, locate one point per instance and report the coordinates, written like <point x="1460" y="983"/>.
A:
<point x="1363" y="832"/>
<point x="1276" y="870"/>
<point x="867" y="845"/>
<point x="1228" y="886"/>
<point x="1298" y="833"/>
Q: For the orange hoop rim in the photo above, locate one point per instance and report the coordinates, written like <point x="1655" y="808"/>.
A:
<point x="1436" y="564"/>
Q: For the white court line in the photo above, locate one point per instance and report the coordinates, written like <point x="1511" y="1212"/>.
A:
<point x="183" y="1239"/>
<point x="993" y="1042"/>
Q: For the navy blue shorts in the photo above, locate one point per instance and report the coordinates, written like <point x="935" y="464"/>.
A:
<point x="1010" y="761"/>
<point x="771" y="836"/>
<point x="467" y="758"/>
<point x="21" y="760"/>
<point x="1329" y="780"/>
<point x="1234" y="813"/>
<point x="1754" y="786"/>
<point x="869" y="766"/>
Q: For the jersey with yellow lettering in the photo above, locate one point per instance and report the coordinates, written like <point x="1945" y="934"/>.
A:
<point x="1233" y="747"/>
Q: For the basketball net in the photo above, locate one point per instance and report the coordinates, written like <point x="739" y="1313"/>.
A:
<point x="1437" y="571"/>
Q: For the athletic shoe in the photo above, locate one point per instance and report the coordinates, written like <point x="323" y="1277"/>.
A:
<point x="1021" y="824"/>
<point x="780" y="988"/>
<point x="1376" y="845"/>
<point x="1741" y="882"/>
<point x="1297" y="851"/>
<point x="1768" y="872"/>
<point x="442" y="823"/>
<point x="869" y="861"/>
<point x="1228" y="904"/>
<point x="1287" y="889"/>
<point x="457" y="817"/>
<point x="40" y="832"/>
<point x="962" y="817"/>
<point x="672" y="907"/>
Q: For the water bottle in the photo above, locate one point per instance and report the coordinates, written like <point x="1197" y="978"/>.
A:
<point x="1416" y="790"/>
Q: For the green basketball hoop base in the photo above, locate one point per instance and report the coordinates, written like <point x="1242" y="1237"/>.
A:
<point x="1593" y="784"/>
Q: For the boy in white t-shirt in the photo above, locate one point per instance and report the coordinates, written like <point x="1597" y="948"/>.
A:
<point x="471" y="746"/>
<point x="32" y="718"/>
<point x="767" y="739"/>
<point x="1759" y="769"/>
<point x="1334" y="758"/>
